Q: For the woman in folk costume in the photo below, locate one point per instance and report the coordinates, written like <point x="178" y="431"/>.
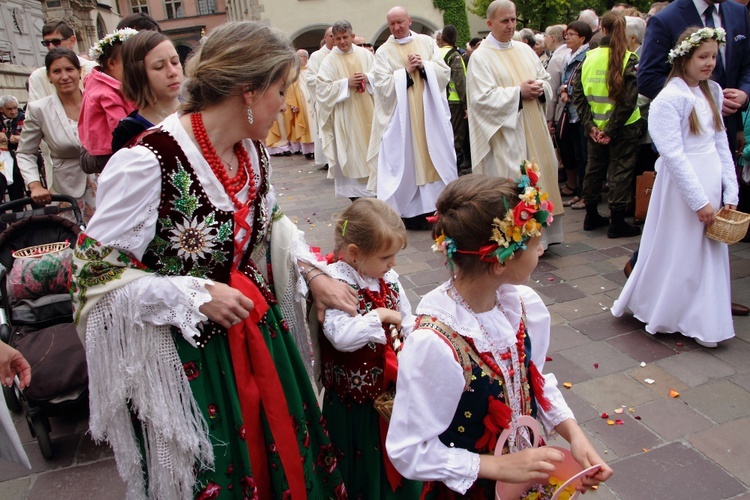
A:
<point x="696" y="176"/>
<point x="181" y="280"/>
<point x="473" y="364"/>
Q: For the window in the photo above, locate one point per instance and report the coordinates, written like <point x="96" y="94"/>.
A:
<point x="174" y="9"/>
<point x="206" y="7"/>
<point x="139" y="6"/>
<point x="51" y="4"/>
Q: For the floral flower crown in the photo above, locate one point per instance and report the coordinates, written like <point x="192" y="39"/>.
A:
<point x="520" y="224"/>
<point x="694" y="40"/>
<point x="108" y="41"/>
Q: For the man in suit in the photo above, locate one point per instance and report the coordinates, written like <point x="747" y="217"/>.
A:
<point x="732" y="69"/>
<point x="11" y="123"/>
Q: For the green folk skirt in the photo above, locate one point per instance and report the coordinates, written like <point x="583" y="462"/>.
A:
<point x="355" y="434"/>
<point x="214" y="387"/>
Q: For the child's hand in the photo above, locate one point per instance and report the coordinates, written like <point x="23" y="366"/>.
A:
<point x="586" y="456"/>
<point x="532" y="464"/>
<point x="707" y="214"/>
<point x="388" y="316"/>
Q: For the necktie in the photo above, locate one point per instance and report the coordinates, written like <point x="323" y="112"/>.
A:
<point x="718" y="74"/>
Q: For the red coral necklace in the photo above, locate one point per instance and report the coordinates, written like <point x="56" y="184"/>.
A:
<point x="244" y="171"/>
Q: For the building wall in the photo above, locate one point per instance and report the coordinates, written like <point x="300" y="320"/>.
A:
<point x="186" y="25"/>
<point x="21" y="24"/>
<point x="306" y="20"/>
<point x="13" y="80"/>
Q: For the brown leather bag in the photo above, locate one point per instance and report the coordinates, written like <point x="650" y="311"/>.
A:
<point x="644" y="185"/>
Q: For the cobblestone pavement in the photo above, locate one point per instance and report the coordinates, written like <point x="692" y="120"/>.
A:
<point x="692" y="446"/>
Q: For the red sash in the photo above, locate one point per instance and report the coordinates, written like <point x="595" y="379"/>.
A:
<point x="390" y="370"/>
<point x="258" y="386"/>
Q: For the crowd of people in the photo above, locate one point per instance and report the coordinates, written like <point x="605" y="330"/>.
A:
<point x="190" y="282"/>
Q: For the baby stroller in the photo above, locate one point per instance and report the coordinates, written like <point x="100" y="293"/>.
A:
<point x="37" y="314"/>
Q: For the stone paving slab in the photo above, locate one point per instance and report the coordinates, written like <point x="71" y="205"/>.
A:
<point x="641" y="346"/>
<point x="599" y="359"/>
<point x="75" y="483"/>
<point x="610" y="392"/>
<point x="629" y="438"/>
<point x="697" y="367"/>
<point x="672" y="419"/>
<point x="661" y="380"/>
<point x="673" y="472"/>
<point x="721" y="401"/>
<point x="697" y="443"/>
<point x="729" y="446"/>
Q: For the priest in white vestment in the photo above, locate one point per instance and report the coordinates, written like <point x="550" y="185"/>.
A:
<point x="345" y="107"/>
<point x="411" y="153"/>
<point x="311" y="76"/>
<point x="507" y="90"/>
<point x="307" y="102"/>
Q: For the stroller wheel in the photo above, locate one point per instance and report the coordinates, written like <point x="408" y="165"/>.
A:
<point x="40" y="429"/>
<point x="11" y="400"/>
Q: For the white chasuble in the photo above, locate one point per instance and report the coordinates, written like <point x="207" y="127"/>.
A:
<point x="345" y="114"/>
<point x="504" y="129"/>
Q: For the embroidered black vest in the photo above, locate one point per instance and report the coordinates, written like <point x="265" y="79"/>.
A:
<point x="467" y="425"/>
<point x="192" y="236"/>
<point x="357" y="375"/>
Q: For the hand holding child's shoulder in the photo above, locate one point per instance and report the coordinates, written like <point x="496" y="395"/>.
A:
<point x="388" y="316"/>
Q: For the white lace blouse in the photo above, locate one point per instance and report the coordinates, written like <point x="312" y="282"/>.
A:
<point x="127" y="201"/>
<point x="349" y="333"/>
<point x="431" y="382"/>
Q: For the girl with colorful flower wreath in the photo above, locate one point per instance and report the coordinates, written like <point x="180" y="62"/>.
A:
<point x="103" y="104"/>
<point x="358" y="353"/>
<point x="473" y="364"/>
<point x="681" y="282"/>
<point x="189" y="294"/>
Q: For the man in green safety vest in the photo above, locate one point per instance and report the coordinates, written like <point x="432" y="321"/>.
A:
<point x="606" y="97"/>
<point x="456" y="92"/>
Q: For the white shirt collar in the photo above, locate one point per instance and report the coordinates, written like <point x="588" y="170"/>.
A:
<point x="408" y="38"/>
<point x="340" y="52"/>
<point x="498" y="44"/>
<point x="702" y="5"/>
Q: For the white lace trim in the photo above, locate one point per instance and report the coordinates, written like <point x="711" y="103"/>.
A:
<point x="343" y="271"/>
<point x="471" y="476"/>
<point x="173" y="300"/>
<point x="134" y="366"/>
<point x="438" y="303"/>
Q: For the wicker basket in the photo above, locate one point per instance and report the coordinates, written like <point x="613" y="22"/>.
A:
<point x="730" y="226"/>
<point x="38" y="251"/>
<point x="383" y="404"/>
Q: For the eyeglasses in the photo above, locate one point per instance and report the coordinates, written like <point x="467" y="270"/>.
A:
<point x="569" y="34"/>
<point x="54" y="41"/>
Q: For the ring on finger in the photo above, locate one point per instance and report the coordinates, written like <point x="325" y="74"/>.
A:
<point x="236" y="320"/>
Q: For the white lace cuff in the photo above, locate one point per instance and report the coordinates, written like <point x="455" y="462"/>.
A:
<point x="461" y="485"/>
<point x="173" y="300"/>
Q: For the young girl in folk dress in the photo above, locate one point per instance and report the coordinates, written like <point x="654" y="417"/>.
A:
<point x="359" y="363"/>
<point x="689" y="294"/>
<point x="473" y="364"/>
